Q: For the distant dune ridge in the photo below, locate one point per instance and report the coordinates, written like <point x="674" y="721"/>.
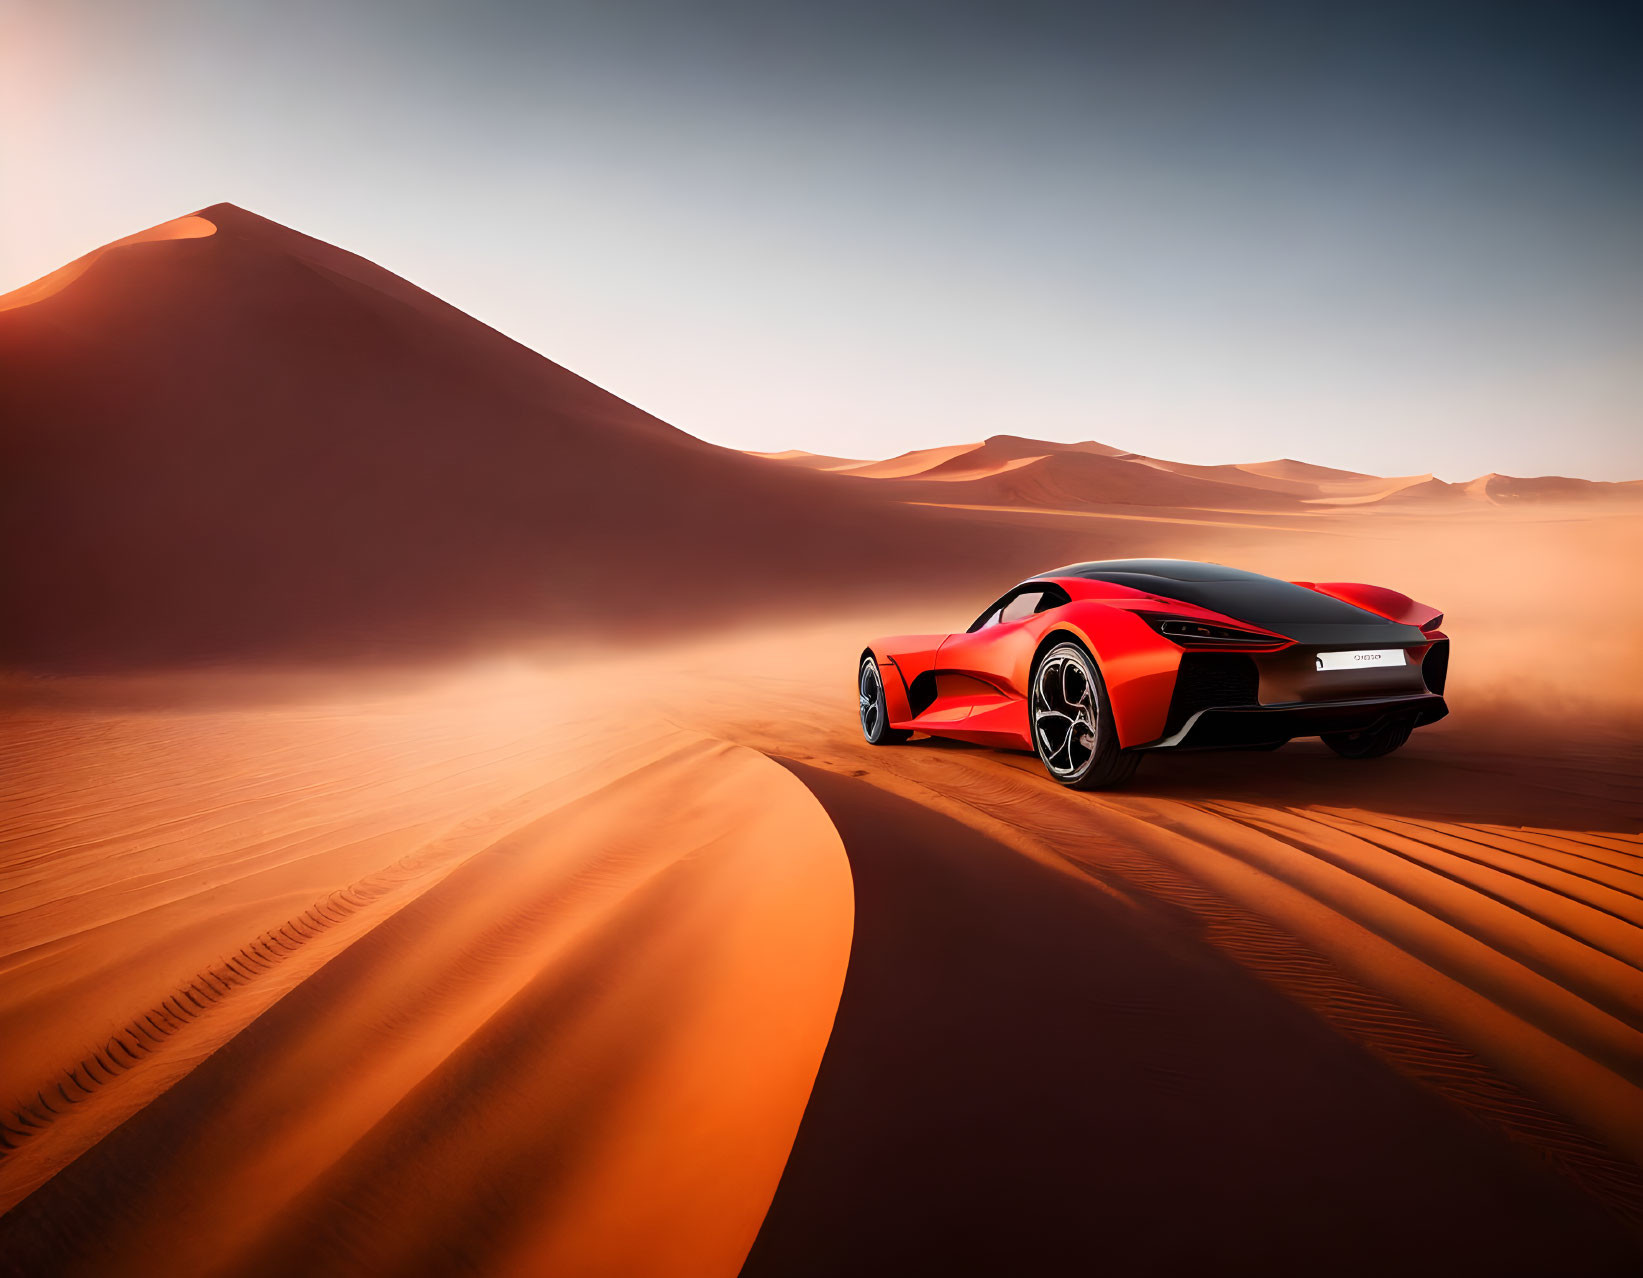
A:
<point x="1070" y="473"/>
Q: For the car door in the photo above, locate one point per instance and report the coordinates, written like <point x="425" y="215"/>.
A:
<point x="990" y="661"/>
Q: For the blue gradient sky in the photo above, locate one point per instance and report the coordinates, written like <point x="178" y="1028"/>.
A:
<point x="1387" y="237"/>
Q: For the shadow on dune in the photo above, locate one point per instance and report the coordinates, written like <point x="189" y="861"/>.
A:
<point x="1026" y="1077"/>
<point x="1537" y="782"/>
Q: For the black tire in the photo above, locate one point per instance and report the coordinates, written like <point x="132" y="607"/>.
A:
<point x="875" y="715"/>
<point x="1370" y="743"/>
<point x="1071" y="721"/>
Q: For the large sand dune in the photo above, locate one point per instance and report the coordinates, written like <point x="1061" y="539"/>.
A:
<point x="290" y="454"/>
<point x="435" y="837"/>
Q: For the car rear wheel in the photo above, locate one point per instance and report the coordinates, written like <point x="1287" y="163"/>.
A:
<point x="1370" y="743"/>
<point x="875" y="716"/>
<point x="1072" y="723"/>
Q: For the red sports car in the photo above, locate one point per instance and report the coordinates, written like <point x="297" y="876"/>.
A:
<point x="1094" y="665"/>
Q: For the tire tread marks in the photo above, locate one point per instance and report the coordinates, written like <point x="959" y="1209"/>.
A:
<point x="151" y="1029"/>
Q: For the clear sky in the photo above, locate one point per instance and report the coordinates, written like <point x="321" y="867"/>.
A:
<point x="1392" y="237"/>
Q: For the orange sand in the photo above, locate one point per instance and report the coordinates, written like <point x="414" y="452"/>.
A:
<point x="192" y="227"/>
<point x="436" y="838"/>
<point x="335" y="928"/>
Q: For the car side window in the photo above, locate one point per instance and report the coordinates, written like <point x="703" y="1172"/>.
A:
<point x="1052" y="597"/>
<point x="1019" y="604"/>
<point x="991" y="616"/>
<point x="1022" y="606"/>
<point x="988" y="618"/>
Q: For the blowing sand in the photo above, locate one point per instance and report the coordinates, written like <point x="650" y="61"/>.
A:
<point x="531" y="969"/>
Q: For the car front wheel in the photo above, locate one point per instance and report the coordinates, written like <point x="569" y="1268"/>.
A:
<point x="875" y="716"/>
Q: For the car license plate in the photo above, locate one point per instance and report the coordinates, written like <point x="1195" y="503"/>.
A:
<point x="1359" y="660"/>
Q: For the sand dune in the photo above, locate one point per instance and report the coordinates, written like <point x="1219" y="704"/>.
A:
<point x="417" y="977"/>
<point x="1506" y="490"/>
<point x="1074" y="479"/>
<point x="1432" y="492"/>
<point x="811" y="461"/>
<point x="1447" y="918"/>
<point x="505" y="886"/>
<point x="417" y="974"/>
<point x="601" y="1034"/>
<point x="1009" y="470"/>
<point x="1466" y="914"/>
<point x="1062" y="475"/>
<point x="1292" y="471"/>
<point x="999" y="453"/>
<point x="951" y="461"/>
<point x="914" y="463"/>
<point x="292" y="455"/>
<point x="1030" y="1035"/>
<point x="1511" y="489"/>
<point x="192" y="227"/>
<point x="1316" y="484"/>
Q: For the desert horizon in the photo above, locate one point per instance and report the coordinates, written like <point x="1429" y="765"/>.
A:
<point x="438" y="837"/>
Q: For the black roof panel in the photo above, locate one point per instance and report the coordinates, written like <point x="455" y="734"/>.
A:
<point x="1173" y="569"/>
<point x="1280" y="606"/>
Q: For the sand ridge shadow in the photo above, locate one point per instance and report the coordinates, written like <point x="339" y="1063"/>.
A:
<point x="1440" y="779"/>
<point x="1026" y="1077"/>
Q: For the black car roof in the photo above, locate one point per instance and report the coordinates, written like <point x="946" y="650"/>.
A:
<point x="1170" y="569"/>
<point x="1269" y="602"/>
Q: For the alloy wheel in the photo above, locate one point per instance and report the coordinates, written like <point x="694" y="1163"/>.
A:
<point x="1066" y="712"/>
<point x="872" y="699"/>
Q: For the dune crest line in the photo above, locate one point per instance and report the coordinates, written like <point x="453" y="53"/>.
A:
<point x="589" y="1018"/>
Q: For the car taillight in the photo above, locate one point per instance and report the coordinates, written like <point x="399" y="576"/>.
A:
<point x="1435" y="624"/>
<point x="1203" y="634"/>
